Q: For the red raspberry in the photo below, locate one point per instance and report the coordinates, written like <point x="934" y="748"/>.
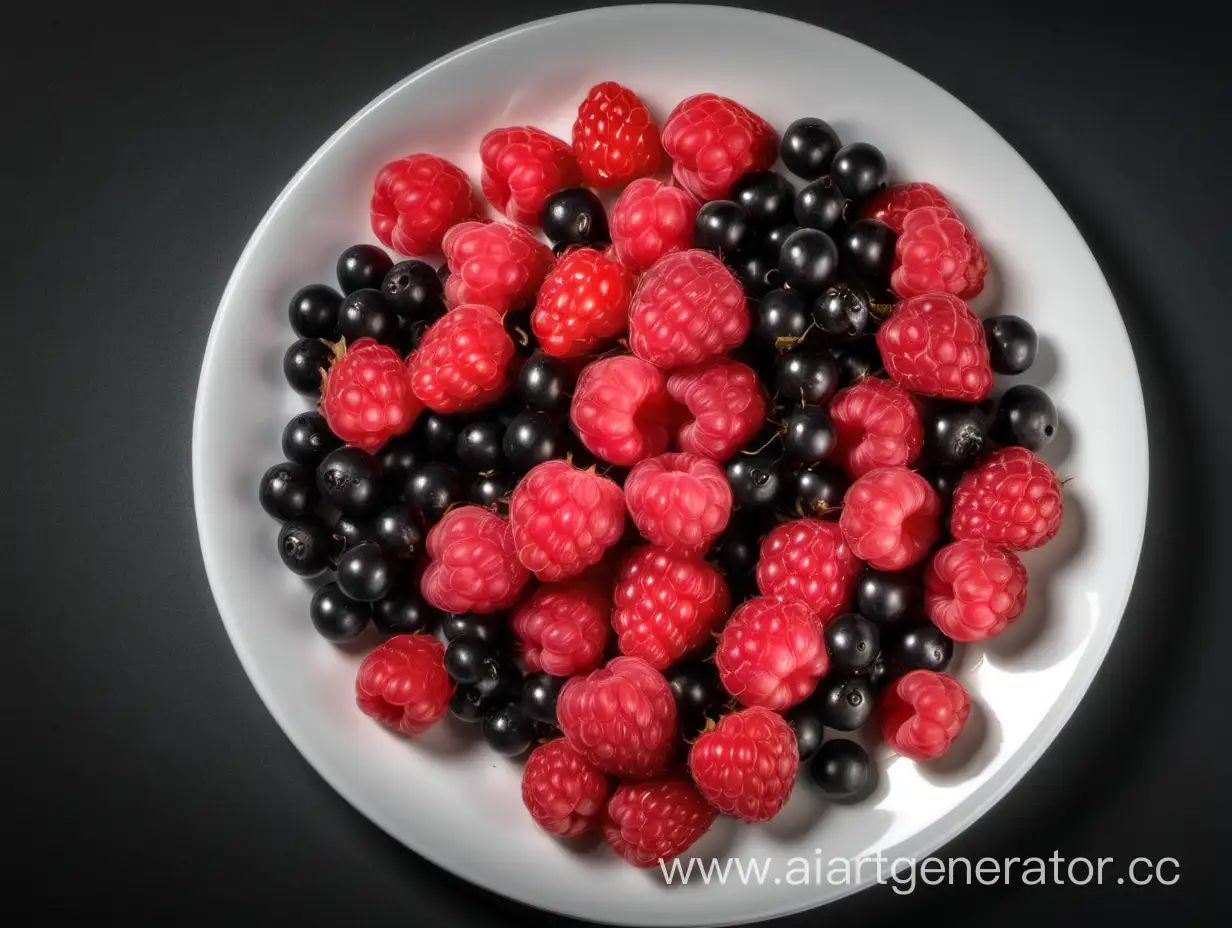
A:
<point x="583" y="303"/>
<point x="922" y="713"/>
<point x="564" y="793"/>
<point x="403" y="683"/>
<point x="747" y="765"/>
<point x="876" y="424"/>
<point x="522" y="167"/>
<point x="680" y="502"/>
<point x="366" y="396"/>
<point x="649" y="220"/>
<point x="890" y="518"/>
<point x="936" y="253"/>
<point x="615" y="138"/>
<point x="416" y="199"/>
<point x="494" y="263"/>
<point x="562" y="628"/>
<point x="892" y="204"/>
<point x="771" y="653"/>
<point x="621" y="718"/>
<point x="564" y="519"/>
<point x="973" y="590"/>
<point x="621" y="410"/>
<point x="463" y="361"/>
<point x="1011" y="498"/>
<point x="687" y="307"/>
<point x="656" y="820"/>
<point x="935" y="345"/>
<point x="808" y="560"/>
<point x="666" y="605"/>
<point x="473" y="565"/>
<point x="727" y="404"/>
<point x="714" y="142"/>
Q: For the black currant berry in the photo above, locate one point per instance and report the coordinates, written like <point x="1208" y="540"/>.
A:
<point x="397" y="458"/>
<point x="351" y="531"/>
<point x="436" y="434"/>
<point x="399" y="530"/>
<point x="531" y="439"/>
<point x="403" y="611"/>
<point x="860" y="170"/>
<point x="815" y="492"/>
<point x="432" y="489"/>
<point x="808" y="434"/>
<point x="350" y="480"/>
<point x="808" y="147"/>
<point x="943" y="480"/>
<point x="491" y="627"/>
<point x="736" y="551"/>
<point x="365" y="572"/>
<point x="1026" y="417"/>
<point x="287" y="491"/>
<point x="468" y="704"/>
<point x="306" y="439"/>
<point x="411" y="333"/>
<point x="465" y="658"/>
<point x="844" y="703"/>
<point x="509" y="731"/>
<point x="722" y="227"/>
<point x="808" y="260"/>
<point x="303" y="363"/>
<point x="367" y="314"/>
<point x="539" y="693"/>
<point x="820" y="205"/>
<point x="856" y="360"/>
<point x="866" y="250"/>
<point x="1012" y="343"/>
<point x="479" y="445"/>
<point x="885" y="597"/>
<point x="954" y="433"/>
<point x="841" y="311"/>
<point x="361" y="267"/>
<point x="806" y="377"/>
<point x="810" y="731"/>
<point x="544" y="383"/>
<point x="771" y="244"/>
<point x="757" y="274"/>
<point x="336" y="616"/>
<point x="699" y="694"/>
<point x="303" y="545"/>
<point x="493" y="491"/>
<point x="314" y="312"/>
<point x="881" y="672"/>
<point x="766" y="196"/>
<point x="781" y="319"/>
<point x="574" y="216"/>
<point x="842" y="769"/>
<point x="922" y="646"/>
<point x="853" y="641"/>
<point x="755" y="480"/>
<point x="414" y="290"/>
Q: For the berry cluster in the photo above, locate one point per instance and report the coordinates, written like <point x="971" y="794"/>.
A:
<point x="670" y="501"/>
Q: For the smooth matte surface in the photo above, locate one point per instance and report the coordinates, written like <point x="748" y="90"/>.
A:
<point x="152" y="781"/>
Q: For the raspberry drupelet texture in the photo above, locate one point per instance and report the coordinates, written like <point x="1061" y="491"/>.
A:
<point x="621" y="718"/>
<point x="649" y="220"/>
<point x="472" y="563"/>
<point x="462" y="363"/>
<point x="771" y="653"/>
<point x="562" y="628"/>
<point x="366" y="398"/>
<point x="936" y="253"/>
<point x="713" y="141"/>
<point x="495" y="264"/>
<point x="403" y="684"/>
<point x="564" y="519"/>
<point x="809" y="560"/>
<point x="583" y="303"/>
<point x="615" y="138"/>
<point x="679" y="502"/>
<point x="656" y="820"/>
<point x="891" y="518"/>
<point x="892" y="204"/>
<point x="565" y="794"/>
<point x="726" y="406"/>
<point x="666" y="606"/>
<point x="621" y="410"/>
<point x="922" y="713"/>
<point x="522" y="167"/>
<point x="1011" y="498"/>
<point x="935" y="345"/>
<point x="876" y="424"/>
<point x="687" y="307"/>
<point x="416" y="199"/>
<point x="747" y="765"/>
<point x="973" y="590"/>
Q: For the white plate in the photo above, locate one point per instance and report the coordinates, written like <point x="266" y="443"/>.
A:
<point x="459" y="805"/>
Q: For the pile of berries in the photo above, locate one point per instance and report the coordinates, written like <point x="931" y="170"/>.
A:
<point x="669" y="503"/>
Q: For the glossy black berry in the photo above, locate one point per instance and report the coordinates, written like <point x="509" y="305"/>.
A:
<point x="881" y="672"/>
<point x="943" y="480"/>
<point x="531" y="439"/>
<point x="815" y="492"/>
<point x="757" y="274"/>
<point x="314" y="312"/>
<point x="493" y="491"/>
<point x="544" y="383"/>
<point x="351" y="531"/>
<point x="287" y="491"/>
<point x="922" y="646"/>
<point x="954" y="433"/>
<point x="842" y="769"/>
<point x="736" y="551"/>
<point x="885" y="597"/>
<point x="399" y="530"/>
<point x="362" y="266"/>
<point x="853" y="641"/>
<point x="766" y="196"/>
<point x="699" y="694"/>
<point x="306" y="439"/>
<point x="771" y="244"/>
<point x="432" y="489"/>
<point x="465" y="658"/>
<point x="367" y="314"/>
<point x="365" y="572"/>
<point x="781" y="319"/>
<point x="303" y="545"/>
<point x="755" y="480"/>
<point x="820" y="205"/>
<point x="411" y="333"/>
<point x="856" y="360"/>
<point x="397" y="458"/>
<point x="1026" y="417"/>
<point x="468" y="704"/>
<point x="860" y="170"/>
<point x="841" y="311"/>
<point x="845" y="703"/>
<point x="808" y="261"/>
<point x="723" y="227"/>
<point x="808" y="147"/>
<point x="539" y="694"/>
<point x="808" y="434"/>
<point x="479" y="445"/>
<point x="336" y="616"/>
<point x="1012" y="343"/>
<point x="350" y="480"/>
<point x="491" y="627"/>
<point x="805" y="377"/>
<point x="810" y="731"/>
<point x="303" y="363"/>
<point x="509" y="731"/>
<point x="866" y="250"/>
<point x="436" y="434"/>
<point x="403" y="611"/>
<point x="574" y="216"/>
<point x="413" y="289"/>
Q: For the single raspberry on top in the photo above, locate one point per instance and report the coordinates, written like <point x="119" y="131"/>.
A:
<point x="462" y="363"/>
<point x="562" y="628"/>
<point x="935" y="345"/>
<point x="649" y="220"/>
<point x="771" y="653"/>
<point x="746" y="766"/>
<point x="876" y="424"/>
<point x="495" y="264"/>
<point x="679" y="502"/>
<point x="564" y="519"/>
<point x="472" y="563"/>
<point x="936" y="253"/>
<point x="809" y="560"/>
<point x="687" y="307"/>
<point x="1011" y="498"/>
<point x="366" y="397"/>
<point x="403" y="683"/>
<point x="714" y="141"/>
<point x="891" y="518"/>
<point x="583" y="303"/>
<point x="922" y="713"/>
<point x="416" y="199"/>
<point x="522" y="167"/>
<point x="565" y="794"/>
<point x="615" y="138"/>
<point x="892" y="204"/>
<point x="726" y="406"/>
<point x="973" y="590"/>
<point x="656" y="820"/>
<point x="621" y="411"/>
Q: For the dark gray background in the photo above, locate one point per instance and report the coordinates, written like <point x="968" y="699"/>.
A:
<point x="144" y="777"/>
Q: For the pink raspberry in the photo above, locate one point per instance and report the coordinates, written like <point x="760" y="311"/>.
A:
<point x="615" y="138"/>
<point x="679" y="502"/>
<point x="922" y="713"/>
<point x="666" y="605"/>
<point x="473" y="565"/>
<point x="726" y="403"/>
<point x="621" y="411"/>
<point x="656" y="820"/>
<point x="403" y="684"/>
<point x="936" y="253"/>
<point x="1011" y="498"/>
<point x="462" y="363"/>
<point x="876" y="424"/>
<point x="649" y="220"/>
<point x="583" y="303"/>
<point x="522" y="167"/>
<point x="565" y="794"/>
<point x="714" y="141"/>
<point x="892" y="204"/>
<point x="495" y="264"/>
<point x="809" y="560"/>
<point x="747" y="765"/>
<point x="890" y="518"/>
<point x="366" y="397"/>
<point x="771" y="653"/>
<point x="973" y="590"/>
<point x="562" y="628"/>
<point x="935" y="345"/>
<point x="416" y="199"/>
<point x="687" y="307"/>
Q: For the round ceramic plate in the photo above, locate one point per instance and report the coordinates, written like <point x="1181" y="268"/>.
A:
<point x="445" y="795"/>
